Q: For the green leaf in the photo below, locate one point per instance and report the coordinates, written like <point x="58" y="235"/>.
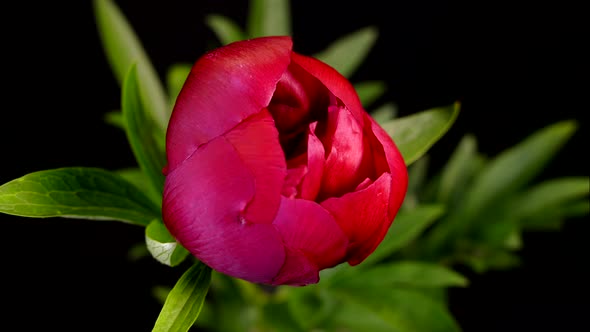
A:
<point x="276" y="317"/>
<point x="347" y="53"/>
<point x="354" y="316"/>
<point x="384" y="113"/>
<point x="226" y="30"/>
<point x="146" y="146"/>
<point x="76" y="192"/>
<point x="516" y="166"/>
<point x="404" y="274"/>
<point x="162" y="245"/>
<point x="184" y="302"/>
<point x="115" y="119"/>
<point x="175" y="78"/>
<point x="404" y="310"/>
<point x="458" y="170"/>
<point x="406" y="227"/>
<point x="123" y="48"/>
<point x="140" y="180"/>
<point x="417" y="174"/>
<point x="482" y="258"/>
<point x="269" y="18"/>
<point x="370" y="91"/>
<point x="549" y="195"/>
<point x="415" y="134"/>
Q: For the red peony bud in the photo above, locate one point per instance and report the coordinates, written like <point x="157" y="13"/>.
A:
<point x="275" y="171"/>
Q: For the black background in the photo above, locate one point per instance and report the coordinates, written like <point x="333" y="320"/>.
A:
<point x="515" y="66"/>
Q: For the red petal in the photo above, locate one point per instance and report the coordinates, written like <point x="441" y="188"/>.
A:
<point x="363" y="216"/>
<point x="224" y="87"/>
<point x="346" y="165"/>
<point x="307" y="227"/>
<point x="256" y="140"/>
<point x="297" y="271"/>
<point x="334" y="81"/>
<point x="202" y="207"/>
<point x="310" y="185"/>
<point x="387" y="158"/>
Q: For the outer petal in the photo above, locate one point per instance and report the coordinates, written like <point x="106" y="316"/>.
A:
<point x="297" y="271"/>
<point x="312" y="238"/>
<point x="387" y="158"/>
<point x="363" y="216"/>
<point x="224" y="87"/>
<point x="203" y="203"/>
<point x="334" y="81"/>
<point x="256" y="140"/>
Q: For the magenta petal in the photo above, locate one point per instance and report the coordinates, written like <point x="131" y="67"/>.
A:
<point x="345" y="144"/>
<point x="307" y="227"/>
<point x="310" y="185"/>
<point x="334" y="81"/>
<point x="224" y="87"/>
<point x="364" y="217"/>
<point x="298" y="270"/>
<point x="202" y="207"/>
<point x="387" y="158"/>
<point x="256" y="140"/>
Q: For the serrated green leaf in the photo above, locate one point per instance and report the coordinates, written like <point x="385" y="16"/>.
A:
<point x="406" y="227"/>
<point x="404" y="310"/>
<point x="141" y="133"/>
<point x="269" y="18"/>
<point x="162" y="245"/>
<point x="76" y="192"/>
<point x="347" y="53"/>
<point x="123" y="48"/>
<point x="226" y="30"/>
<point x="415" y="134"/>
<point x="404" y="274"/>
<point x="175" y="78"/>
<point x="384" y="113"/>
<point x="185" y="300"/>
<point x="370" y="91"/>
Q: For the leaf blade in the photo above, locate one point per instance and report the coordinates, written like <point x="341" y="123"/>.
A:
<point x="122" y="48"/>
<point x="76" y="192"/>
<point x="347" y="53"/>
<point x="140" y="132"/>
<point x="416" y="133"/>
<point x="268" y="18"/>
<point x="226" y="30"/>
<point x="185" y="300"/>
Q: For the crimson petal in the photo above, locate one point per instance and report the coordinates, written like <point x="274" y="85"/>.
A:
<point x="334" y="81"/>
<point x="310" y="185"/>
<point x="203" y="203"/>
<point x="344" y="142"/>
<point x="363" y="216"/>
<point x="387" y="158"/>
<point x="309" y="229"/>
<point x="224" y="87"/>
<point x="256" y="140"/>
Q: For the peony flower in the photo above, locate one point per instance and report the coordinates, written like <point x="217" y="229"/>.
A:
<point x="274" y="170"/>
